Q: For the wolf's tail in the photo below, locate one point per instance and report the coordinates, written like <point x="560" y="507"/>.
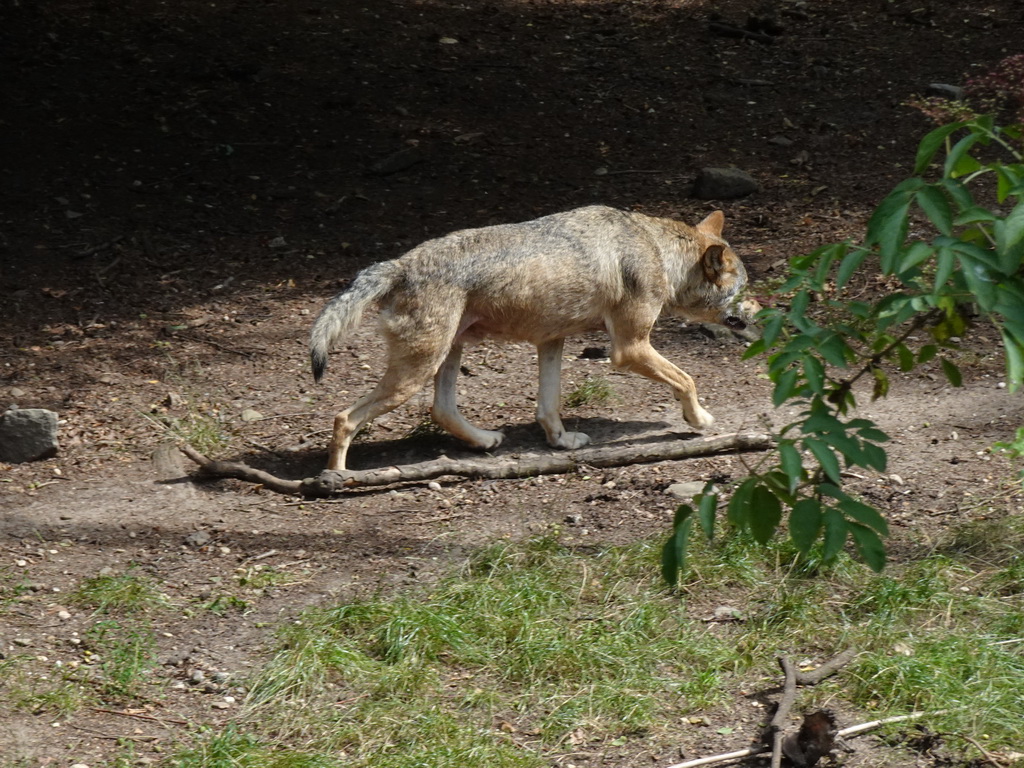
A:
<point x="342" y="314"/>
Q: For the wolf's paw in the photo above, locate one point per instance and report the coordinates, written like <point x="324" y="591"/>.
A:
<point x="699" y="419"/>
<point x="486" y="440"/>
<point x="570" y="441"/>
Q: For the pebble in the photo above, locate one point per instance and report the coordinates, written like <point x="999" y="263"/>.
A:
<point x="63" y="615"/>
<point x="434" y="486"/>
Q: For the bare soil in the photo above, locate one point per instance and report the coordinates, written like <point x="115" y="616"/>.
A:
<point x="184" y="184"/>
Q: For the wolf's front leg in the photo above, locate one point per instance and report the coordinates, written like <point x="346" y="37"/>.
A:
<point x="549" y="397"/>
<point x="694" y="413"/>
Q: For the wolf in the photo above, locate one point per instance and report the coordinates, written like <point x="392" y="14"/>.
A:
<point x="537" y="281"/>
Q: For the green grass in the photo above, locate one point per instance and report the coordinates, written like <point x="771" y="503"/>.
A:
<point x="532" y="646"/>
<point x="594" y="390"/>
<point x="128" y="592"/>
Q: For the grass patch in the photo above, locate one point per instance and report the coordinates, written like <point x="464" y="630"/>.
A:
<point x="593" y="390"/>
<point x="128" y="592"/>
<point x="533" y="649"/>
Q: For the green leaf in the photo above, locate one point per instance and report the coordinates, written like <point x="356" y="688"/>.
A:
<point x="926" y="353"/>
<point x="1009" y="234"/>
<point x="814" y="372"/>
<point x="958" y="161"/>
<point x="1014" y="360"/>
<point x="914" y="255"/>
<point x="875" y="457"/>
<point x="887" y="227"/>
<point x="707" y="508"/>
<point x="673" y="553"/>
<point x="936" y="208"/>
<point x="952" y="373"/>
<point x="869" y="545"/>
<point x="805" y="523"/>
<point x="864" y="514"/>
<point x="850" y="263"/>
<point x="931" y="144"/>
<point x="739" y="505"/>
<point x="945" y="262"/>
<point x="765" y="513"/>
<point x="792" y="465"/>
<point x="784" y="386"/>
<point x="906" y="358"/>
<point x="772" y="327"/>
<point x="881" y="388"/>
<point x="826" y="458"/>
<point x="835" y="526"/>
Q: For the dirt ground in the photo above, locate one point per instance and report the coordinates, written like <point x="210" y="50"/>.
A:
<point x="183" y="185"/>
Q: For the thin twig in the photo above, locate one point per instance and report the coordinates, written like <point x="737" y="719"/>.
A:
<point x="97" y="248"/>
<point x="138" y="716"/>
<point x="830" y="667"/>
<point x="986" y="755"/>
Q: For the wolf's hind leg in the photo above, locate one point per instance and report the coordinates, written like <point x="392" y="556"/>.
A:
<point x="409" y="371"/>
<point x="549" y="397"/>
<point x="446" y="411"/>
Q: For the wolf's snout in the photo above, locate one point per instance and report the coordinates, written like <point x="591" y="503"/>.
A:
<point x="736" y="323"/>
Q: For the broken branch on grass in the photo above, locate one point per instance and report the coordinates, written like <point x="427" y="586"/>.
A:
<point x="844" y="733"/>
<point x="330" y="483"/>
<point x="816" y="734"/>
<point x="777" y="726"/>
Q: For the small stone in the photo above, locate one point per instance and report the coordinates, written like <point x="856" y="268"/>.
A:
<point x="399" y="161"/>
<point x="434" y="486"/>
<point x="251" y="414"/>
<point x="63" y="615"/>
<point x="220" y="705"/>
<point x="198" y="539"/>
<point x="574" y="519"/>
<point x="946" y="91"/>
<point x="21" y="642"/>
<point x="173" y="401"/>
<point x="198" y="677"/>
<point x="723" y="184"/>
<point x="685" y="491"/>
<point x="727" y="613"/>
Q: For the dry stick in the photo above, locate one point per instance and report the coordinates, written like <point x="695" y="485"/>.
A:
<point x="329" y="483"/>
<point x="830" y="667"/>
<point x="853" y="730"/>
<point x="777" y="725"/>
<point x="139" y="716"/>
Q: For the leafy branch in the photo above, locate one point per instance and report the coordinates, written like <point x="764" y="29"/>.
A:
<point x="964" y="263"/>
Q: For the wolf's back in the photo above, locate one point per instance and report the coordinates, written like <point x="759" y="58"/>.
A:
<point x="342" y="314"/>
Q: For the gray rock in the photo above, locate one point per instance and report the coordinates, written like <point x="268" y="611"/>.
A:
<point x="198" y="539"/>
<point x="28" y="434"/>
<point x="685" y="491"/>
<point x="946" y="91"/>
<point x="399" y="161"/>
<point x="723" y="184"/>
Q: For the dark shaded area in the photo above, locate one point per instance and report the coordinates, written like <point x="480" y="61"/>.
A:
<point x="175" y="169"/>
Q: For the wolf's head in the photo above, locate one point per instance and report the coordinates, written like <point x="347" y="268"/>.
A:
<point x="713" y="289"/>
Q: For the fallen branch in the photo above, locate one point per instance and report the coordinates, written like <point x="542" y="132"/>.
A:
<point x="329" y="483"/>
<point x="845" y="733"/>
<point x="777" y="726"/>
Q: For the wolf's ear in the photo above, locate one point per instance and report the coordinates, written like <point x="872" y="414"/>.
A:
<point x="713" y="223"/>
<point x="713" y="262"/>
